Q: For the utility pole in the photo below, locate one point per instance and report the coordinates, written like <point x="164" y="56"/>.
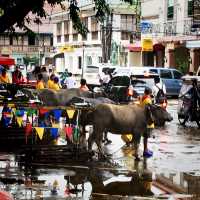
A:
<point x="106" y="37"/>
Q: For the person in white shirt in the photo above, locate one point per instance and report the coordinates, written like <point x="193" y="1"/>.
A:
<point x="158" y="85"/>
<point x="70" y="81"/>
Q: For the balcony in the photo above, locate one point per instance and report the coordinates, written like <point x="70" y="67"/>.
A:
<point x="187" y="26"/>
<point x="26" y="49"/>
<point x="170" y="28"/>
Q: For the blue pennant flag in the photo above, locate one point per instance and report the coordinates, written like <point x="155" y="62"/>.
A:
<point x="54" y="132"/>
<point x="57" y="114"/>
<point x="19" y="113"/>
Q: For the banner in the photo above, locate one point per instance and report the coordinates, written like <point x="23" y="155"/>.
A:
<point x="147" y="44"/>
<point x="19" y="121"/>
<point x="70" y="113"/>
<point x="54" y="132"/>
<point x="40" y="132"/>
<point x="57" y="114"/>
<point x="68" y="131"/>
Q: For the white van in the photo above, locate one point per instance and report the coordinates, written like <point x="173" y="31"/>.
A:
<point x="93" y="73"/>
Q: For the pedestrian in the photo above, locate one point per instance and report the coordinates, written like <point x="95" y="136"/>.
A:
<point x="45" y="75"/>
<point x="4" y="77"/>
<point x="159" y="91"/>
<point x="17" y="76"/>
<point x="83" y="86"/>
<point x="145" y="100"/>
<point x="70" y="81"/>
<point x="50" y="82"/>
<point x="40" y="82"/>
<point x="56" y="85"/>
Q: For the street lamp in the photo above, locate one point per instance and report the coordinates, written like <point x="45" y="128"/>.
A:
<point x="83" y="60"/>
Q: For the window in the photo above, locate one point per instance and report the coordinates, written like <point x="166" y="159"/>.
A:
<point x="124" y="35"/>
<point x="59" y="28"/>
<point x="165" y="74"/>
<point x="11" y="40"/>
<point x="75" y="37"/>
<point x="58" y="38"/>
<point x="67" y="38"/>
<point x="177" y="75"/>
<point x="31" y="39"/>
<point x="95" y="35"/>
<point x="170" y="9"/>
<point x="88" y="60"/>
<point x="154" y="70"/>
<point x="100" y="59"/>
<point x="120" y="81"/>
<point x="190" y="7"/>
<point x="94" y="28"/>
<point x="128" y="22"/>
<point x="79" y="62"/>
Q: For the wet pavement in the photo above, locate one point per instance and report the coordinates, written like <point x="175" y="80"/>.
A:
<point x="172" y="173"/>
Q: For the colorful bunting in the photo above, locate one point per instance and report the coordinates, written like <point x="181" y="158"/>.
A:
<point x="70" y="113"/>
<point x="28" y="129"/>
<point x="76" y="133"/>
<point x="55" y="125"/>
<point x="19" y="121"/>
<point x="68" y="131"/>
<point x="43" y="111"/>
<point x="40" y="132"/>
<point x="57" y="114"/>
<point x="31" y="112"/>
<point x="19" y="113"/>
<point x="54" y="132"/>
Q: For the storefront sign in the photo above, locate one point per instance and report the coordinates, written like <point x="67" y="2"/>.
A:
<point x="66" y="49"/>
<point x="193" y="44"/>
<point x="147" y="44"/>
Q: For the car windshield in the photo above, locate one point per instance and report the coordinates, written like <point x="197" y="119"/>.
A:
<point x="120" y="81"/>
<point x="92" y="69"/>
<point x="143" y="82"/>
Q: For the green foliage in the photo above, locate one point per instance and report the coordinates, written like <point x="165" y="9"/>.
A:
<point x="182" y="65"/>
<point x="14" y="12"/>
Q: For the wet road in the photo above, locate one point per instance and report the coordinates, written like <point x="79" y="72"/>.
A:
<point x="176" y="160"/>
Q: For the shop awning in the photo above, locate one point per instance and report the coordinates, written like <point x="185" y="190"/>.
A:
<point x="7" y="61"/>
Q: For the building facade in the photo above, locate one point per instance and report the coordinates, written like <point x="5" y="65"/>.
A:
<point x="34" y="48"/>
<point x="73" y="51"/>
<point x="174" y="27"/>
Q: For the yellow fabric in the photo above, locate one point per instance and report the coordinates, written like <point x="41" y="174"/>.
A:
<point x="20" y="121"/>
<point x="144" y="102"/>
<point x="40" y="132"/>
<point x="50" y="84"/>
<point x="55" y="86"/>
<point x="4" y="79"/>
<point x="70" y="113"/>
<point x="40" y="85"/>
<point x="127" y="138"/>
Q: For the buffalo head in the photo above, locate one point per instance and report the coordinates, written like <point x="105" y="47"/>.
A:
<point x="160" y="115"/>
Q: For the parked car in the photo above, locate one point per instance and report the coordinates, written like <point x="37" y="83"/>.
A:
<point x="125" y="88"/>
<point x="171" y="77"/>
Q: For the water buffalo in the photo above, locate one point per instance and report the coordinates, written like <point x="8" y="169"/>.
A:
<point x="123" y="119"/>
<point x="56" y="98"/>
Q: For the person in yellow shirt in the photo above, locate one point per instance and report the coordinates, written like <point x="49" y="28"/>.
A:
<point x="55" y="85"/>
<point x="145" y="100"/>
<point x="40" y="83"/>
<point x="50" y="82"/>
<point x="4" y="77"/>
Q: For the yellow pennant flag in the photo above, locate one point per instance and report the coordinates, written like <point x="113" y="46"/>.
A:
<point x="40" y="132"/>
<point x="70" y="113"/>
<point x="19" y="121"/>
<point x="55" y="125"/>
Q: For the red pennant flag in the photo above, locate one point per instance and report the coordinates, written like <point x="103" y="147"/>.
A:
<point x="28" y="129"/>
<point x="43" y="111"/>
<point x="69" y="132"/>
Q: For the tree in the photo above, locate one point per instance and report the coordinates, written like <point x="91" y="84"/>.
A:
<point x="15" y="12"/>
